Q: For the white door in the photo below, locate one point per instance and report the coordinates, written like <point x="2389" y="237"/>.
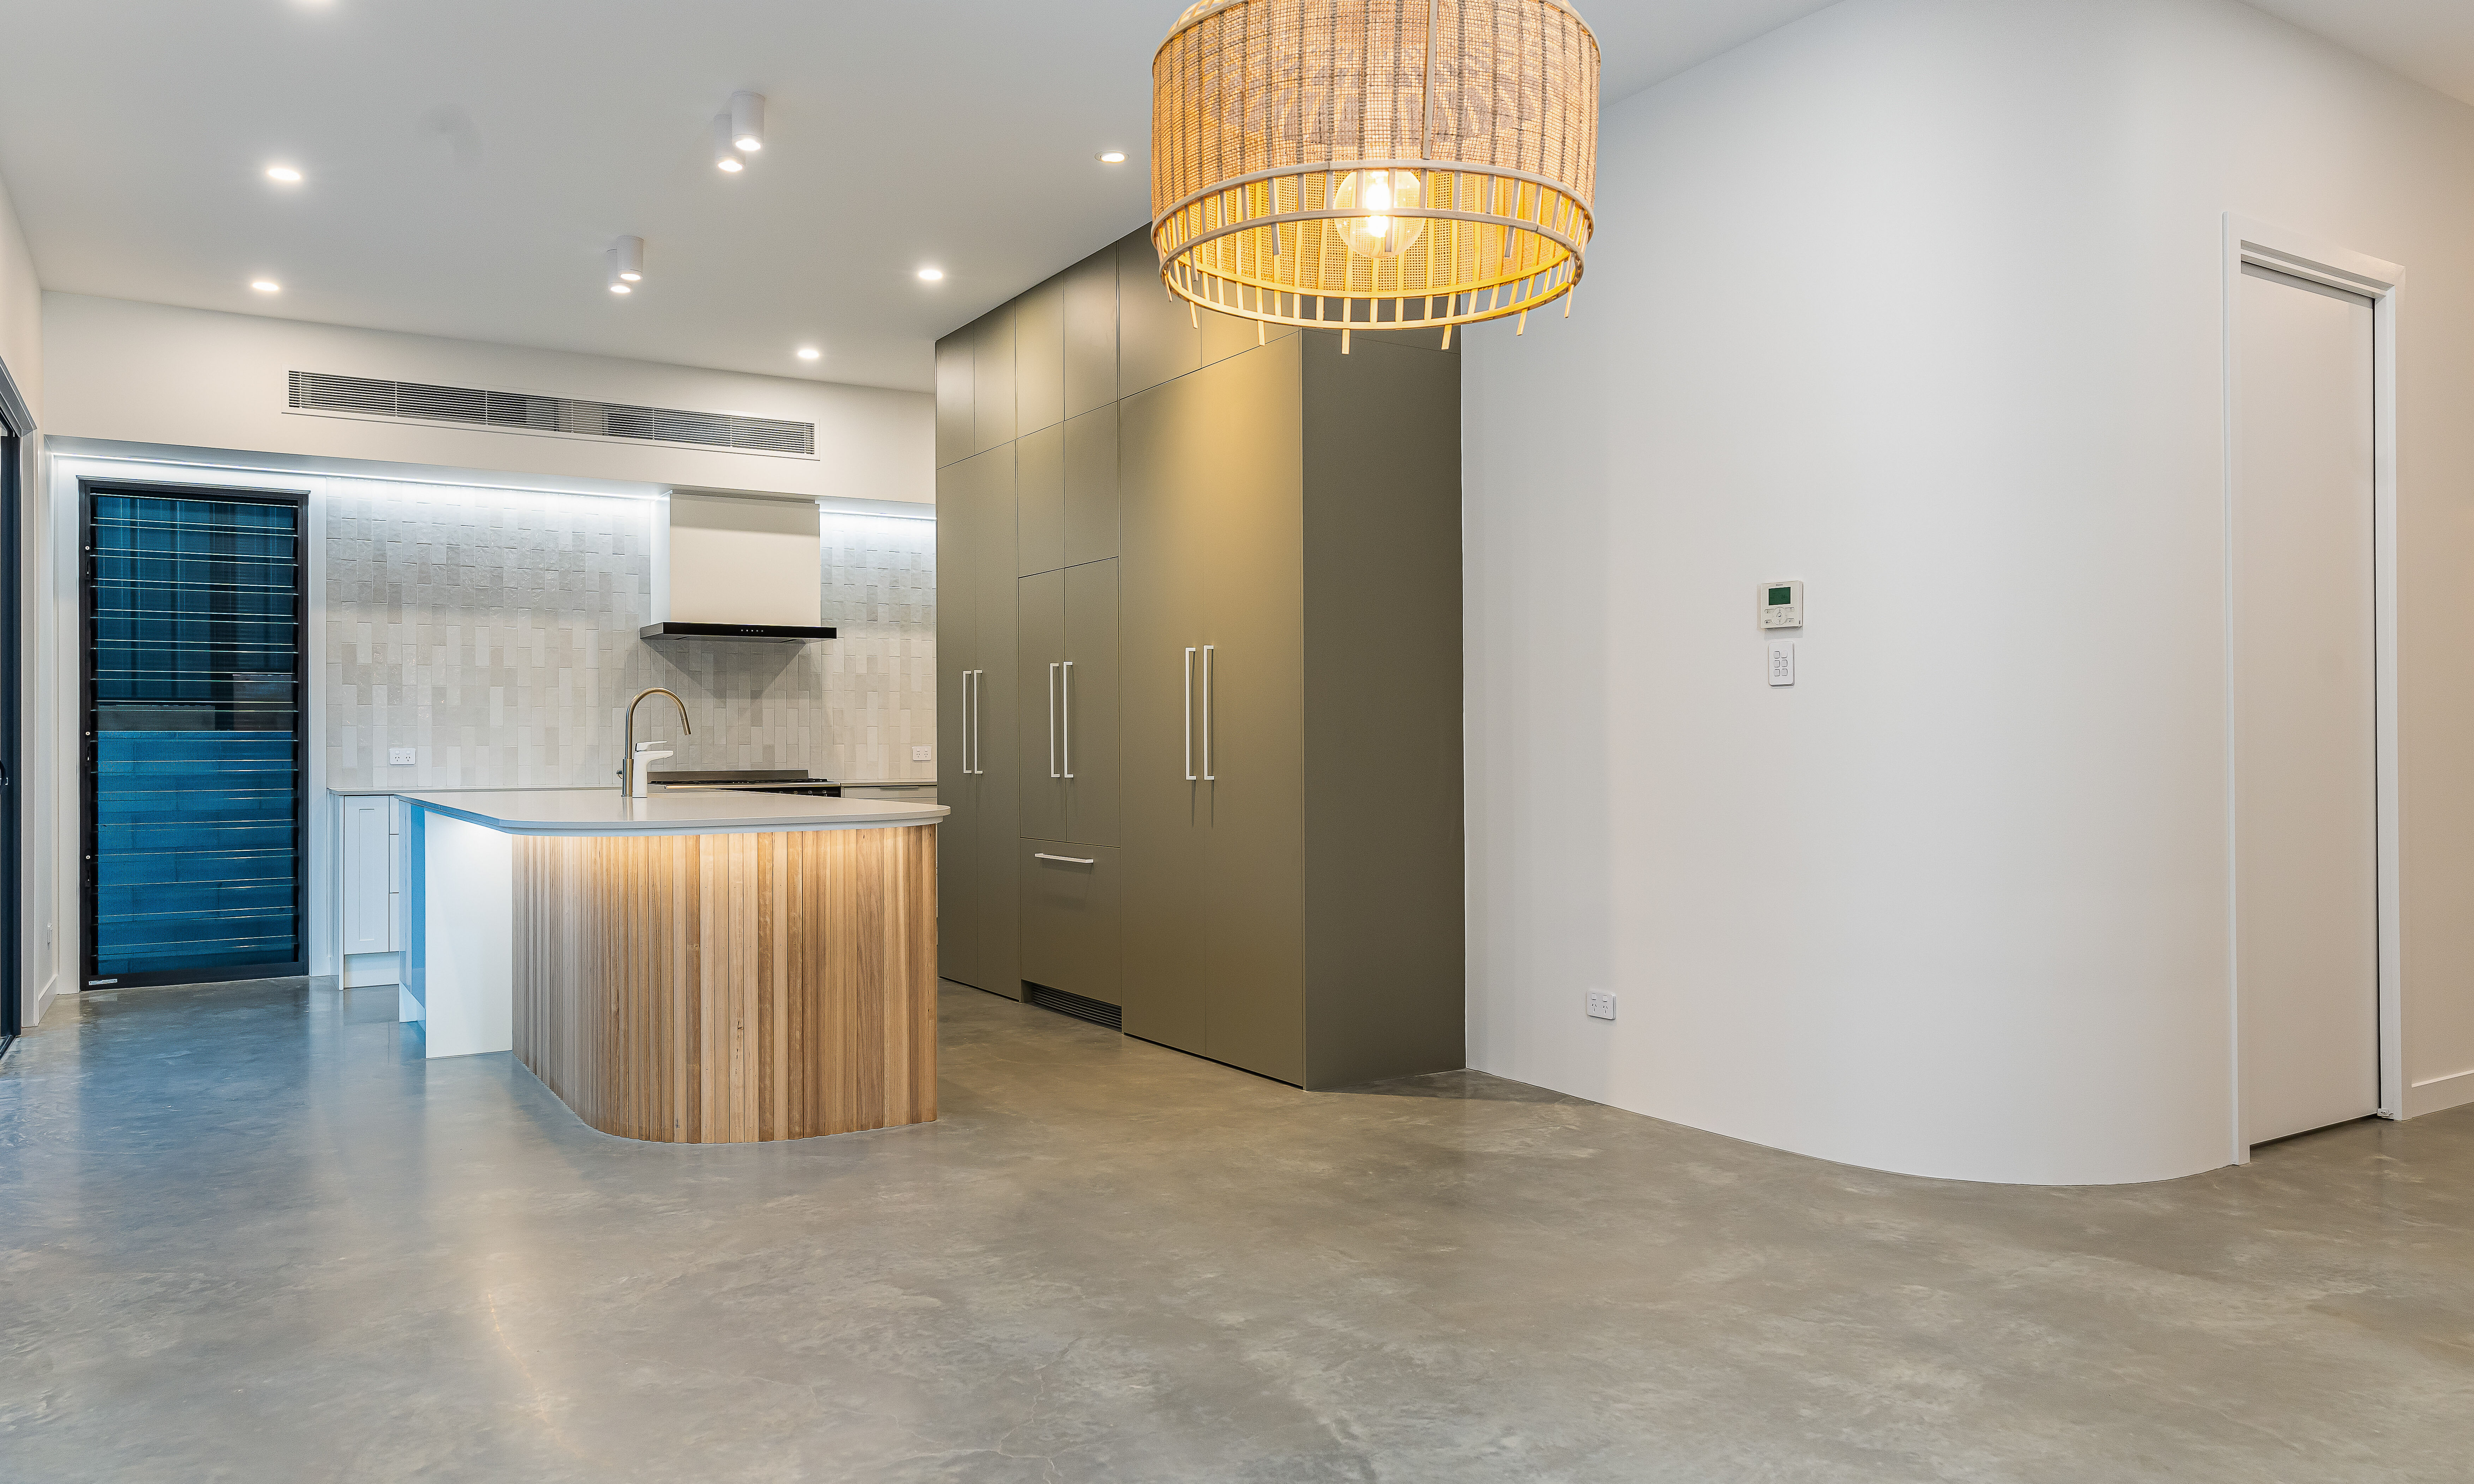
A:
<point x="2306" y="820"/>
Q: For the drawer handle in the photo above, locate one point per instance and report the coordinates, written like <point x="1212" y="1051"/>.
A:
<point x="1071" y="860"/>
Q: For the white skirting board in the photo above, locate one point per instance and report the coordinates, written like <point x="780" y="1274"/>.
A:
<point x="2425" y="1097"/>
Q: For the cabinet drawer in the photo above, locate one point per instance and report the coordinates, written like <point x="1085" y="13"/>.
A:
<point x="368" y="858"/>
<point x="1070" y="914"/>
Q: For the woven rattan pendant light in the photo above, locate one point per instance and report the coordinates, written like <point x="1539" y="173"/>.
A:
<point x="1374" y="163"/>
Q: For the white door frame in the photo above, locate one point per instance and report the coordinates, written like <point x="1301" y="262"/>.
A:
<point x="321" y="914"/>
<point x="2295" y="253"/>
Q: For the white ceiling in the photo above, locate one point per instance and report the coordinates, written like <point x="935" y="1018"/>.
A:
<point x="2431" y="41"/>
<point x="468" y="160"/>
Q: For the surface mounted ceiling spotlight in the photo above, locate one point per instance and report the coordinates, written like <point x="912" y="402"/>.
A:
<point x="725" y="154"/>
<point x="283" y="173"/>
<point x="1406" y="203"/>
<point x="1113" y="157"/>
<point x="809" y="352"/>
<point x="931" y="275"/>
<point x="266" y="286"/>
<point x="628" y="259"/>
<point x="618" y="273"/>
<point x="748" y="121"/>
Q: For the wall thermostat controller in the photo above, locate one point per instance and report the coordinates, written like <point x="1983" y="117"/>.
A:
<point x="1782" y="605"/>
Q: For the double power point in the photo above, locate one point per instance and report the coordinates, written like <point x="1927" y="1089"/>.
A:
<point x="1602" y="1005"/>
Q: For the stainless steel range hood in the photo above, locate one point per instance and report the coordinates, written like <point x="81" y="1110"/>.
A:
<point x="737" y="567"/>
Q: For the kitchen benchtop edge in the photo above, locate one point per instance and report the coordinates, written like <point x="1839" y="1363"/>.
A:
<point x="691" y="812"/>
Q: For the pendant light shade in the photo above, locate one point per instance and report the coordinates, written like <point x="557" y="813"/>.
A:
<point x="1374" y="163"/>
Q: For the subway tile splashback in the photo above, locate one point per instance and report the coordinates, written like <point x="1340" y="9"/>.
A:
<point x="495" y="633"/>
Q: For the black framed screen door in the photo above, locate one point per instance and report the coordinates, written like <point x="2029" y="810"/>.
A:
<point x="195" y="770"/>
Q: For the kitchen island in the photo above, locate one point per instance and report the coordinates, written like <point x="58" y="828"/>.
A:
<point x="693" y="966"/>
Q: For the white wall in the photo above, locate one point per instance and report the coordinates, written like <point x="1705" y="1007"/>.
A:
<point x="1920" y="300"/>
<point x="157" y="375"/>
<point x="21" y="307"/>
<point x="21" y="352"/>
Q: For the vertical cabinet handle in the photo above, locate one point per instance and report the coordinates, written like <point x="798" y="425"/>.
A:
<point x="971" y="720"/>
<point x="1052" y="723"/>
<point x="1208" y="776"/>
<point x="1066" y="694"/>
<point x="1189" y="713"/>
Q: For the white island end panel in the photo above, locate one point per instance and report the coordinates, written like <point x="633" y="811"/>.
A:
<point x="464" y="935"/>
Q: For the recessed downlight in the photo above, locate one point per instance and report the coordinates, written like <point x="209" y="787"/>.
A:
<point x="931" y="275"/>
<point x="809" y="352"/>
<point x="266" y="285"/>
<point x="283" y="173"/>
<point x="1113" y="157"/>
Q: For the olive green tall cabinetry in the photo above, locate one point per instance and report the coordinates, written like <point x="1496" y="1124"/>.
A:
<point x="1199" y="638"/>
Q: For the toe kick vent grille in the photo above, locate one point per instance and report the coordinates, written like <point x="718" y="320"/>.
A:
<point x="1096" y="1012"/>
<point x="529" y="412"/>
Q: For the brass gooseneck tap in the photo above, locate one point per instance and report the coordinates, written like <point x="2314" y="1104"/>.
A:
<point x="635" y="768"/>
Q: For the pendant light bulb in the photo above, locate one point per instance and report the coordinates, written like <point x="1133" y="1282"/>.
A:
<point x="725" y="154"/>
<point x="628" y="259"/>
<point x="748" y="121"/>
<point x="1383" y="194"/>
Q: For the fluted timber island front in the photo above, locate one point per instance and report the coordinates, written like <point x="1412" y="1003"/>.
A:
<point x="697" y="966"/>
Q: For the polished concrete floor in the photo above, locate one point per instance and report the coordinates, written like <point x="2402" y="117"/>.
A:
<point x="245" y="1237"/>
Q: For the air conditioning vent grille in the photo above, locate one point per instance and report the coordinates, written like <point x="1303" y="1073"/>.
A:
<point x="1079" y="1007"/>
<point x="522" y="411"/>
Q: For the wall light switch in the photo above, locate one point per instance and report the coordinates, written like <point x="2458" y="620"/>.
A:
<point x="1602" y="1005"/>
<point x="399" y="757"/>
<point x="1781" y="662"/>
<point x="919" y="754"/>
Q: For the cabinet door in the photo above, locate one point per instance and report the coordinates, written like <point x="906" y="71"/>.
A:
<point x="1070" y="918"/>
<point x="1039" y="501"/>
<point x="995" y="711"/>
<point x="1089" y="515"/>
<point x="366" y="851"/>
<point x="1211" y="485"/>
<point x="1158" y="336"/>
<point x="1039" y="357"/>
<point x="954" y="365"/>
<point x="992" y="379"/>
<point x="1167" y="531"/>
<point x="958" y="898"/>
<point x="1090" y="294"/>
<point x="1255" y="880"/>
<point x="1039" y="643"/>
<point x="1086" y="733"/>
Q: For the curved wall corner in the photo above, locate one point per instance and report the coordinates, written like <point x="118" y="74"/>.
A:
<point x="1920" y="301"/>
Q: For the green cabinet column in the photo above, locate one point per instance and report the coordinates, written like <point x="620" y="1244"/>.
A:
<point x="1229" y="604"/>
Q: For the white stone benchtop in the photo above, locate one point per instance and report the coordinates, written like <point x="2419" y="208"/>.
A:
<point x="699" y="812"/>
